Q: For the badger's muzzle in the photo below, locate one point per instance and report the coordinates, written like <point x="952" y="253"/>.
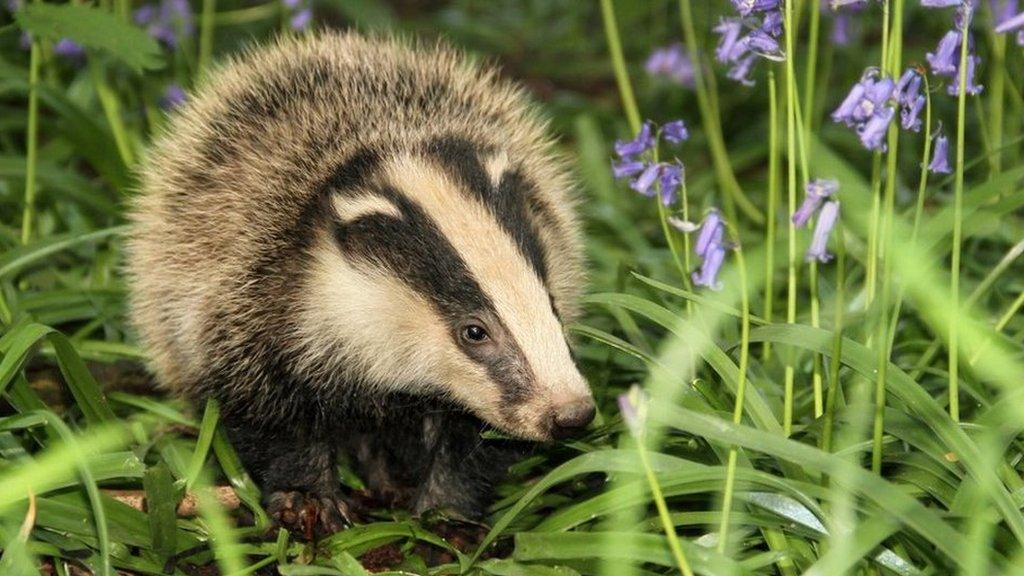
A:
<point x="570" y="419"/>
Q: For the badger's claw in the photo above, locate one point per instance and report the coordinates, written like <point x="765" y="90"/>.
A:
<point x="310" y="515"/>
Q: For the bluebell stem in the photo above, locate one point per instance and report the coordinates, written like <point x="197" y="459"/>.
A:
<point x="827" y="218"/>
<point x="815" y="192"/>
<point x="174" y="96"/>
<point x="673" y="63"/>
<point x="940" y="156"/>
<point x="675" y="131"/>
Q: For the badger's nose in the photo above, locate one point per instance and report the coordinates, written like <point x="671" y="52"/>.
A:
<point x="571" y="418"/>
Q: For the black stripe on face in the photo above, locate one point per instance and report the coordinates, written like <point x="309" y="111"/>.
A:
<point x="413" y="248"/>
<point x="508" y="202"/>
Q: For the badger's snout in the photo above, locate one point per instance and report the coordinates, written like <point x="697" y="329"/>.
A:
<point x="569" y="419"/>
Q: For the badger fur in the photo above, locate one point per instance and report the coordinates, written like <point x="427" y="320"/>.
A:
<point x="367" y="247"/>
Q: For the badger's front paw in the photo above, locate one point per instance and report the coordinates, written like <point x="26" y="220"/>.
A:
<point x="310" y="514"/>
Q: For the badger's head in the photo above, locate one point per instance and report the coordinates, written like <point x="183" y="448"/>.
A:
<point x="432" y="274"/>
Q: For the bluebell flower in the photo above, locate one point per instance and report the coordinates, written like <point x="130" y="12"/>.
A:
<point x="1008" y="20"/>
<point x="866" y="99"/>
<point x="69" y="50"/>
<point x="908" y="96"/>
<point x="675" y="131"/>
<point x="940" y="156"/>
<point x="815" y="192"/>
<point x="633" y="408"/>
<point x="763" y="24"/>
<point x="707" y="275"/>
<point x="748" y="7"/>
<point x="173" y="96"/>
<point x="973" y="89"/>
<point x="671" y="177"/>
<point x="167" y="22"/>
<point x="827" y="219"/>
<point x="627" y="168"/>
<point x="872" y="133"/>
<point x="301" y="19"/>
<point x="643" y="142"/>
<point x="946" y="57"/>
<point x="740" y="72"/>
<point x="940" y="3"/>
<point x="763" y="44"/>
<point x="644" y="183"/>
<point x="729" y="47"/>
<point x="673" y="63"/>
<point x="712" y="233"/>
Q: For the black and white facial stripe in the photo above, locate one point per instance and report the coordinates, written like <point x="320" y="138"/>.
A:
<point x="463" y="241"/>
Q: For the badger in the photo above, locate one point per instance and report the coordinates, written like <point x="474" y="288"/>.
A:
<point x="363" y="248"/>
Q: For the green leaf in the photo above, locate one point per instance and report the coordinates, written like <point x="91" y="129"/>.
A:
<point x="917" y="400"/>
<point x="95" y="28"/>
<point x="22" y="256"/>
<point x="162" y="504"/>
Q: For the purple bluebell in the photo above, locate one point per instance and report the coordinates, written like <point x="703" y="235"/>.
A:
<point x="940" y="3"/>
<point x="1007" y="19"/>
<point x="842" y="32"/>
<point x="763" y="44"/>
<point x="301" y="19"/>
<point x="908" y="95"/>
<point x="973" y="89"/>
<point x="946" y="57"/>
<point x="712" y="232"/>
<point x="940" y="156"/>
<point x="748" y="7"/>
<point x="643" y="142"/>
<point x="740" y="71"/>
<point x="872" y="133"/>
<point x="815" y="192"/>
<point x="671" y="176"/>
<point x="675" y="131"/>
<point x="866" y="99"/>
<point x="827" y="218"/>
<point x="644" y="183"/>
<point x="729" y="47"/>
<point x="673" y="63"/>
<point x="773" y="23"/>
<point x="627" y="168"/>
<point x="13" y="6"/>
<point x="707" y="276"/>
<point x="173" y="96"/>
<point x="167" y="22"/>
<point x="633" y="408"/>
<point x="69" y="50"/>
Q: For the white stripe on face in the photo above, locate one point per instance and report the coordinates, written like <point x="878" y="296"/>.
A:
<point x="519" y="297"/>
<point x="352" y="207"/>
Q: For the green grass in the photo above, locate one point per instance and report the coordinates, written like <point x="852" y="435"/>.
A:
<point x="843" y="454"/>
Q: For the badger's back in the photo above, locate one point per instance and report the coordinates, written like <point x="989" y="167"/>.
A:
<point x="223" y="217"/>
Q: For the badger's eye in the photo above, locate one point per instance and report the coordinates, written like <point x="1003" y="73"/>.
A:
<point x="474" y="334"/>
